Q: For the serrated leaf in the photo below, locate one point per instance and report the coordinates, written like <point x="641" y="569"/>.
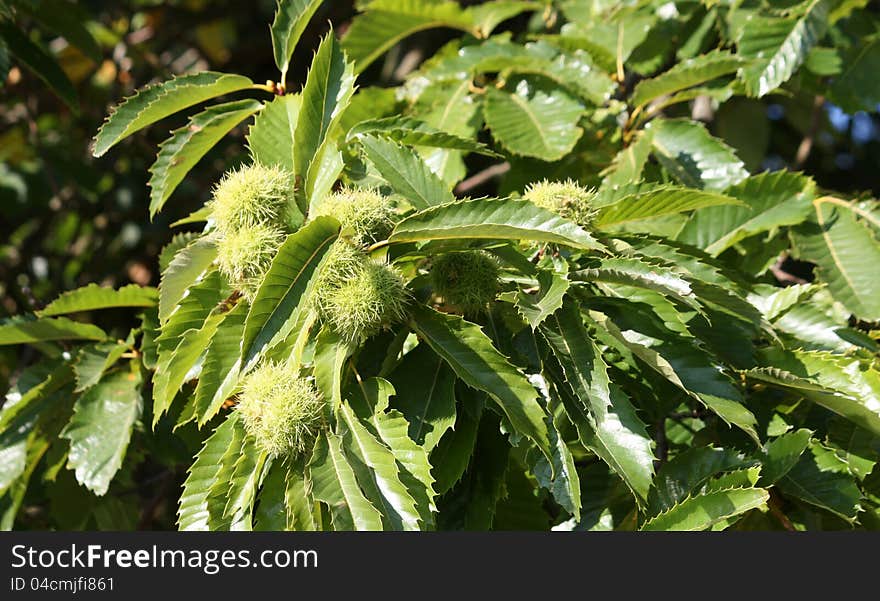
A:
<point x="158" y="101"/>
<point x="783" y="453"/>
<point x="559" y="477"/>
<point x="325" y="95"/>
<point x="93" y="297"/>
<point x="778" y="46"/>
<point x="769" y="200"/>
<point x="284" y="291"/>
<point x="822" y="479"/>
<point x="839" y="383"/>
<point x="535" y="308"/>
<point x="386" y="22"/>
<point x="173" y="372"/>
<point x="841" y="239"/>
<point x="657" y="202"/>
<point x="703" y="511"/>
<point x="377" y="473"/>
<point x="100" y="428"/>
<point x="425" y="387"/>
<point x="39" y="62"/>
<point x="629" y="163"/>
<point x="222" y="365"/>
<point x="617" y="435"/>
<point x="413" y="132"/>
<point x="334" y="483"/>
<point x="270" y="138"/>
<point x="291" y="18"/>
<point x="241" y="489"/>
<point x="271" y="512"/>
<point x="641" y="273"/>
<point x="504" y="219"/>
<point x="534" y="122"/>
<point x="686" y="366"/>
<point x="298" y="499"/>
<point x="451" y="456"/>
<point x="687" y="472"/>
<point x="406" y="172"/>
<point x="28" y="329"/>
<point x="187" y="145"/>
<point x="94" y="359"/>
<point x="193" y="507"/>
<point x="187" y="267"/>
<point x="470" y="353"/>
<point x="488" y="15"/>
<point x="687" y="73"/>
<point x="693" y="156"/>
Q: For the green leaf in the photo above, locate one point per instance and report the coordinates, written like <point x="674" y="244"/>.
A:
<point x="842" y="241"/>
<point x="412" y="459"/>
<point x="100" y="429"/>
<point x="489" y="15"/>
<point x="177" y="368"/>
<point x="406" y="172"/>
<point x="378" y="474"/>
<point x="241" y="489"/>
<point x="188" y="267"/>
<point x="325" y="95"/>
<point x="284" y="292"/>
<point x="386" y="22"/>
<point x="535" y="308"/>
<point x="616" y="433"/>
<point x="685" y="365"/>
<point x="412" y="132"/>
<point x="291" y="18"/>
<point x="778" y="46"/>
<point x="470" y="353"/>
<point x="297" y="498"/>
<point x="686" y="74"/>
<point x="187" y="145"/>
<point x="703" y="511"/>
<point x="425" y="387"/>
<point x="93" y="297"/>
<point x="39" y="62"/>
<point x="222" y="365"/>
<point x="688" y="472"/>
<point x="533" y="121"/>
<point x="202" y="474"/>
<point x="822" y="479"/>
<point x="331" y="353"/>
<point x="271" y="513"/>
<point x="334" y="483"/>
<point x="770" y="200"/>
<point x="270" y="138"/>
<point x="656" y="202"/>
<point x="158" y="101"/>
<point x="783" y="453"/>
<point x="839" y="383"/>
<point x="27" y="329"/>
<point x="642" y="273"/>
<point x="855" y="88"/>
<point x="559" y="477"/>
<point x="453" y="453"/>
<point x="628" y="164"/>
<point x="693" y="156"/>
<point x="504" y="219"/>
<point x="94" y="359"/>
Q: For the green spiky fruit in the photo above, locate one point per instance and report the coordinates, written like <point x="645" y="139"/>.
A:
<point x="374" y="297"/>
<point x="254" y="195"/>
<point x="244" y="255"/>
<point x="280" y="409"/>
<point x="566" y="199"/>
<point x="465" y="280"/>
<point x="368" y="215"/>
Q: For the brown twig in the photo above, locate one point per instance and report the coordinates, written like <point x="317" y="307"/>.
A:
<point x="478" y="179"/>
<point x="782" y="276"/>
<point x="774" y="503"/>
<point x="806" y="145"/>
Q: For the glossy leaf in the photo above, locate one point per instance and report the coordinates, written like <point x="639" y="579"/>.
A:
<point x="94" y="297"/>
